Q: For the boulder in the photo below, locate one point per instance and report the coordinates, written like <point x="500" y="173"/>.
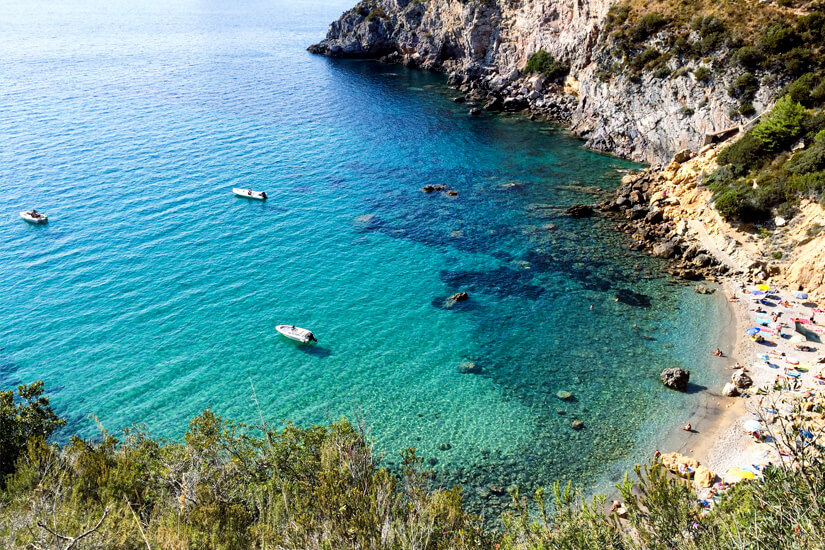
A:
<point x="459" y="297"/>
<point x="654" y="216"/>
<point x="702" y="260"/>
<point x="514" y="104"/>
<point x="664" y="250"/>
<point x="680" y="464"/>
<point x="475" y="111"/>
<point x="704" y="477"/>
<point x="564" y="395"/>
<point x="637" y="212"/>
<point x="741" y="380"/>
<point x="452" y="193"/>
<point x="683" y="156"/>
<point x="494" y="104"/>
<point x="577" y="425"/>
<point x="459" y="99"/>
<point x="579" y="211"/>
<point x="730" y="390"/>
<point x="675" y="378"/>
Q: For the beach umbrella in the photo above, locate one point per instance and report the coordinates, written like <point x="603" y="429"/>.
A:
<point x="800" y="295"/>
<point x="763" y="287"/>
<point x="753" y="331"/>
<point x="738" y="474"/>
<point x="752" y="425"/>
<point x="763" y="356"/>
<point x="758" y="292"/>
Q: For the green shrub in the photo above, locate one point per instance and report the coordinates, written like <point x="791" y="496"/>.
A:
<point x="744" y="87"/>
<point x="812" y="27"/>
<point x="811" y="159"/>
<point x="702" y="73"/>
<point x="796" y="62"/>
<point x="779" y="38"/>
<point x="648" y="24"/>
<point x="781" y="126"/>
<point x="376" y="13"/>
<point x="744" y="154"/>
<point x="616" y="16"/>
<point x="738" y="204"/>
<point x="662" y="72"/>
<point x="749" y="57"/>
<point x="800" y="90"/>
<point x="543" y="62"/>
<point x="776" y="255"/>
<point x="747" y="109"/>
<point x="712" y="34"/>
<point x="23" y="418"/>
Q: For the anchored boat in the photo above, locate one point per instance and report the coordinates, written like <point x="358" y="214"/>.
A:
<point x="298" y="334"/>
<point x="33" y="216"/>
<point x="249" y="193"/>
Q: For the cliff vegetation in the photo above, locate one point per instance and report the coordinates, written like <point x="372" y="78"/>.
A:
<point x="228" y="486"/>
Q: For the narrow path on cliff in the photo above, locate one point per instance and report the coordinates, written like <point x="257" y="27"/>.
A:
<point x="711" y="247"/>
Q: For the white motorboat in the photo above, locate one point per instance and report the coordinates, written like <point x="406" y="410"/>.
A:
<point x="250" y="193"/>
<point x="33" y="216"/>
<point x="298" y="334"/>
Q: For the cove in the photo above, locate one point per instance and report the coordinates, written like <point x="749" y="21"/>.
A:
<point x="153" y="292"/>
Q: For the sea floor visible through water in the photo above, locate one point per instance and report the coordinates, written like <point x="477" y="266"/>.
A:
<point x="153" y="292"/>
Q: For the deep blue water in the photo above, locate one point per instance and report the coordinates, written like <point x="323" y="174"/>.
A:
<point x="153" y="292"/>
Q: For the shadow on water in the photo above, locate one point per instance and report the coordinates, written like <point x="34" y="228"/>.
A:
<point x="315" y="351"/>
<point x="693" y="388"/>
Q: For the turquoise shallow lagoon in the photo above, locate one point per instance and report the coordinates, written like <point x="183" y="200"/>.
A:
<point x="153" y="292"/>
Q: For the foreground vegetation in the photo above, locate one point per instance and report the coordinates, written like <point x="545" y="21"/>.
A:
<point x="228" y="486"/>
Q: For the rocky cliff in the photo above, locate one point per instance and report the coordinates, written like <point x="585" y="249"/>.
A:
<point x="485" y="46"/>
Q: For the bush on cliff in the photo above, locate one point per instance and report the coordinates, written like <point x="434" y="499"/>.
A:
<point x="230" y="486"/>
<point x="543" y="62"/>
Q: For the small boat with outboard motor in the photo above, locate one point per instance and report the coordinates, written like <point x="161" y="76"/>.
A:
<point x="249" y="193"/>
<point x="297" y="334"/>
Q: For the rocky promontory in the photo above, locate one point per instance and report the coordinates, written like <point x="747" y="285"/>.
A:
<point x="485" y="47"/>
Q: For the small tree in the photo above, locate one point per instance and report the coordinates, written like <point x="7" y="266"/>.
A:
<point x="28" y="416"/>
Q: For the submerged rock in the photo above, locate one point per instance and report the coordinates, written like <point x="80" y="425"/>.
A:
<point x="579" y="211"/>
<point x="675" y="378"/>
<point x="564" y="395"/>
<point x="469" y="367"/>
<point x="577" y="425"/>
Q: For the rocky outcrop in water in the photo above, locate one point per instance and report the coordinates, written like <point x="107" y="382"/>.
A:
<point x="484" y="47"/>
<point x="675" y="378"/>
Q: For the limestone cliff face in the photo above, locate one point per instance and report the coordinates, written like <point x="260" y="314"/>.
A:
<point x="486" y="44"/>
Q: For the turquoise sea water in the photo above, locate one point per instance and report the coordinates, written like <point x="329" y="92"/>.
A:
<point x="153" y="292"/>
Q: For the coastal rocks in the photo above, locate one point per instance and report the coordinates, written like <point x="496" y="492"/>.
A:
<point x="741" y="380"/>
<point x="675" y="378"/>
<point x="680" y="464"/>
<point x="702" y="289"/>
<point x="704" y="477"/>
<point x="664" y="250"/>
<point x="459" y="297"/>
<point x="580" y="211"/>
<point x="429" y="188"/>
<point x="730" y="390"/>
<point x="564" y="395"/>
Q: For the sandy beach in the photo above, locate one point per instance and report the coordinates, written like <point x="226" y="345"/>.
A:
<point x="718" y="439"/>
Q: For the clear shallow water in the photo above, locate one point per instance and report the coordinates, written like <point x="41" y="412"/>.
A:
<point x="153" y="292"/>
